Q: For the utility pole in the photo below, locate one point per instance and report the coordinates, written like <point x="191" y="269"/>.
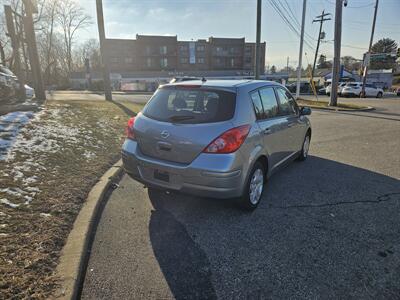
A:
<point x="303" y="19"/>
<point x="15" y="45"/>
<point x="337" y="45"/>
<point x="369" y="50"/>
<point x="258" y="37"/>
<point x="321" y="20"/>
<point x="287" y="66"/>
<point x="102" y="38"/>
<point x="30" y="9"/>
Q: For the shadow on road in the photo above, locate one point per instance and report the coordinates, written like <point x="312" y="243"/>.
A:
<point x="323" y="229"/>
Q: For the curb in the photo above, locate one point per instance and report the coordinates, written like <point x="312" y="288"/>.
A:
<point x="368" y="108"/>
<point x="72" y="260"/>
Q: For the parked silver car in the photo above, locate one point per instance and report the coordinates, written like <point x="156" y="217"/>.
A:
<point x="216" y="138"/>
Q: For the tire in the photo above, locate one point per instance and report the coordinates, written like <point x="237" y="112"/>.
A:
<point x="380" y="95"/>
<point x="254" y="189"/>
<point x="328" y="94"/>
<point x="304" y="149"/>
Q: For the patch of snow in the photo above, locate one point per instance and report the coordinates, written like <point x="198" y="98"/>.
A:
<point x="28" y="199"/>
<point x="16" y="192"/>
<point x="9" y="203"/>
<point x="46" y="215"/>
<point x="29" y="180"/>
<point x="89" y="154"/>
<point x="32" y="189"/>
<point x="10" y="125"/>
<point x="3" y="234"/>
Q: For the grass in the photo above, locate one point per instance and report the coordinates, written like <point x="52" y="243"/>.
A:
<point x="53" y="164"/>
<point x="313" y="103"/>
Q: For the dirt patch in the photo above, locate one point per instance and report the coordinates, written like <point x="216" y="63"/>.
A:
<point x="45" y="177"/>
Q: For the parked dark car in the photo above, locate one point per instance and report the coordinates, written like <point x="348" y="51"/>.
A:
<point x="305" y="87"/>
<point x="8" y="83"/>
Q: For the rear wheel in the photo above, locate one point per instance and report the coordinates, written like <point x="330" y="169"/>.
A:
<point x="379" y="95"/>
<point x="254" y="188"/>
<point x="306" y="146"/>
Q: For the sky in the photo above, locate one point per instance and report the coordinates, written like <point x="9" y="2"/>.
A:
<point x="199" y="19"/>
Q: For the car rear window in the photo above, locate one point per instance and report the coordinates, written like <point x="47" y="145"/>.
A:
<point x="191" y="105"/>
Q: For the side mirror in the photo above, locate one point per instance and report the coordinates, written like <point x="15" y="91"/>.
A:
<point x="305" y="111"/>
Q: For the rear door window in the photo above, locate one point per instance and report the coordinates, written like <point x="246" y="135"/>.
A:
<point x="258" y="108"/>
<point x="268" y="100"/>
<point x="287" y="104"/>
<point x="191" y="105"/>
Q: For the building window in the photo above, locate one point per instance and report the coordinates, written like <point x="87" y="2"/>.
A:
<point x="128" y="60"/>
<point x="200" y="60"/>
<point x="248" y="50"/>
<point x="148" y="50"/>
<point x="183" y="60"/>
<point x="232" y="62"/>
<point x="247" y="60"/>
<point x="200" y="48"/>
<point x="183" y="48"/>
<point x="163" y="50"/>
<point x="149" y="62"/>
<point x="219" y="49"/>
<point x="164" y="62"/>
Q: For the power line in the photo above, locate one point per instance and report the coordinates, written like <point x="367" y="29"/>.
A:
<point x="285" y="19"/>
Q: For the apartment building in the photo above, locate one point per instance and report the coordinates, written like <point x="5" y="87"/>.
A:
<point x="166" y="53"/>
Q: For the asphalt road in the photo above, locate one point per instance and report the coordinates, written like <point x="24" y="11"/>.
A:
<point x="327" y="228"/>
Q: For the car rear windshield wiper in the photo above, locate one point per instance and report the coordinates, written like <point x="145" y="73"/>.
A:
<point x="180" y="118"/>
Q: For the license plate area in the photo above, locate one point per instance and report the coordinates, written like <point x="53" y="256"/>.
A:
<point x="161" y="175"/>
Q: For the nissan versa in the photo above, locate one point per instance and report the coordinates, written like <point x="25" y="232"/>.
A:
<point x="216" y="138"/>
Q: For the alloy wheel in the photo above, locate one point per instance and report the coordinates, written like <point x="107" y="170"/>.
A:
<point x="256" y="186"/>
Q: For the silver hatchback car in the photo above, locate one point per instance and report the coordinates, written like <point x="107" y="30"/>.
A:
<point x="216" y="138"/>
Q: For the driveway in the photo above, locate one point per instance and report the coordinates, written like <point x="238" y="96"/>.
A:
<point x="326" y="228"/>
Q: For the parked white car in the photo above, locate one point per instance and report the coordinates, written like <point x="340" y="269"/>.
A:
<point x="30" y="92"/>
<point x="355" y="89"/>
<point x="341" y="85"/>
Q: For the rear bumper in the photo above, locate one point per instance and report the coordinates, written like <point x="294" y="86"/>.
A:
<point x="206" y="176"/>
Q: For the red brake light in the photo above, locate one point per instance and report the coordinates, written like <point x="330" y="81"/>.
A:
<point x="129" y="129"/>
<point x="229" y="141"/>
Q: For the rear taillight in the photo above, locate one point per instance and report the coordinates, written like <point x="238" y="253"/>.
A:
<point x="229" y="141"/>
<point x="129" y="129"/>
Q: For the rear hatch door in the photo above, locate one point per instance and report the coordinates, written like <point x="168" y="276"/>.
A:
<point x="178" y="123"/>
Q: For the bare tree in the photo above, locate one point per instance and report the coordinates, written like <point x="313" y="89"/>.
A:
<point x="71" y="18"/>
<point x="88" y="50"/>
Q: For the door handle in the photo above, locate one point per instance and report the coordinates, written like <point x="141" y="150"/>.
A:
<point x="267" y="131"/>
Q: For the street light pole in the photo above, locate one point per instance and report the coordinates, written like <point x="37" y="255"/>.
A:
<point x="102" y="38"/>
<point x="303" y="19"/>
<point x="336" y="59"/>
<point x="258" y="37"/>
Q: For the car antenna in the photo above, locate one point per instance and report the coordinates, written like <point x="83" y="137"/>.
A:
<point x="203" y="79"/>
